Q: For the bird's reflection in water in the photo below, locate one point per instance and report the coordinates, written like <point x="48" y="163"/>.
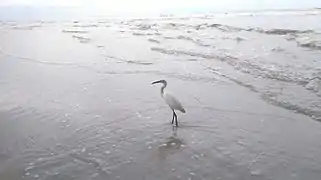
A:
<point x="172" y="145"/>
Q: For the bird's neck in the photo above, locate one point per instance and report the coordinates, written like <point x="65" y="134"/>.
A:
<point x="162" y="89"/>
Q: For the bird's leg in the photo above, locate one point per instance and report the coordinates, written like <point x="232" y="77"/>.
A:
<point x="176" y="119"/>
<point x="173" y="117"/>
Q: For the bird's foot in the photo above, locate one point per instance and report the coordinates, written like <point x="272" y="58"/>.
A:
<point x="174" y="125"/>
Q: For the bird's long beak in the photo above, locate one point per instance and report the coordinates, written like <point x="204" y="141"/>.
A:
<point x="156" y="82"/>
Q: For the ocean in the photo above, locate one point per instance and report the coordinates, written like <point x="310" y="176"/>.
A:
<point x="76" y="100"/>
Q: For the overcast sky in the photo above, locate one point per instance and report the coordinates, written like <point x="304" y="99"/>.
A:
<point x="152" y="5"/>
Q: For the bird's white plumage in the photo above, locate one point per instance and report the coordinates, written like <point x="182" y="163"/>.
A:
<point x="172" y="102"/>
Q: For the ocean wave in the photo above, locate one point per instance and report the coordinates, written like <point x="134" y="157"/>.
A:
<point x="139" y="62"/>
<point x="144" y="26"/>
<point x="177" y="26"/>
<point x="189" y="39"/>
<point x="75" y="31"/>
<point x="153" y="41"/>
<point x="278" y="49"/>
<point x="141" y="27"/>
<point x="142" y="34"/>
<point x="122" y="60"/>
<point x="229" y="28"/>
<point x="169" y="37"/>
<point x="245" y="66"/>
<point x="182" y="52"/>
<point x="225" y="28"/>
<point x="82" y="39"/>
<point x="27" y="27"/>
<point x="309" y="43"/>
<point x="280" y="31"/>
<point x="193" y="40"/>
<point x="86" y="25"/>
<point x="315" y="84"/>
<point x="185" y="38"/>
<point x="304" y="38"/>
<point x="312" y="112"/>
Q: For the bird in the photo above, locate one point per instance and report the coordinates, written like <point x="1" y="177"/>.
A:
<point x="170" y="100"/>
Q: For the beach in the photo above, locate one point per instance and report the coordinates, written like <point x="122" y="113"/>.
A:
<point x="76" y="99"/>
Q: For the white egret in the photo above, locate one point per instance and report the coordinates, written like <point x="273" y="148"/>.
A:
<point x="171" y="101"/>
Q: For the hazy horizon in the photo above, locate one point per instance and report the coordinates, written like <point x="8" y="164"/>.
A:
<point x="153" y="5"/>
<point x="50" y="9"/>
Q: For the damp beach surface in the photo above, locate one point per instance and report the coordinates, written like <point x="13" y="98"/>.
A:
<point x="76" y="100"/>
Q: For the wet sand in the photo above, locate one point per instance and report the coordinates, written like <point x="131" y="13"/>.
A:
<point x="76" y="101"/>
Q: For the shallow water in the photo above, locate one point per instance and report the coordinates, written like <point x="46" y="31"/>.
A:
<point x="76" y="100"/>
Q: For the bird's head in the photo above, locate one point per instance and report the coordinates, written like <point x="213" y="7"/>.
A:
<point x="160" y="81"/>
